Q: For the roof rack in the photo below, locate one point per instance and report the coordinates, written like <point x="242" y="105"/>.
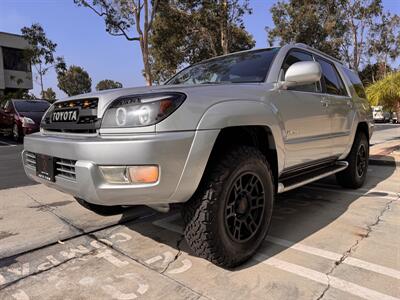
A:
<point x="318" y="51"/>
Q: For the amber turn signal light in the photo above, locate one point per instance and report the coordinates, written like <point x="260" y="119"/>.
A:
<point x="143" y="174"/>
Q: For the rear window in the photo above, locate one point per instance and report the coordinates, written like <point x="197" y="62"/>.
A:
<point x="31" y="106"/>
<point x="356" y="82"/>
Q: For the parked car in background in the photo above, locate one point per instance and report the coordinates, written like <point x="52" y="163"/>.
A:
<point x="394" y="118"/>
<point x="21" y="117"/>
<point x="380" y="115"/>
<point x="377" y="113"/>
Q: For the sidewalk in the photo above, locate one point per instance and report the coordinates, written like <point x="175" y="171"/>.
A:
<point x="387" y="153"/>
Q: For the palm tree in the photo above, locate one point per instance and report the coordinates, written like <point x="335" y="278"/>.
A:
<point x="386" y="92"/>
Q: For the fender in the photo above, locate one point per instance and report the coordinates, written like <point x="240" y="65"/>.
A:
<point x="219" y="116"/>
<point x="245" y="113"/>
<point x="362" y="115"/>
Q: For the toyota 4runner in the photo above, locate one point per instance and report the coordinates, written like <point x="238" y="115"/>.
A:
<point x="223" y="136"/>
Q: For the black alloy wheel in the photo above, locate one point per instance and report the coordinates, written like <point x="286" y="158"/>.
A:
<point x="245" y="207"/>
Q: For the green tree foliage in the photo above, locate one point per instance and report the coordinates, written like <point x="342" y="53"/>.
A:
<point x="74" y="81"/>
<point x="17" y="94"/>
<point x="49" y="95"/>
<point x="374" y="72"/>
<point x="313" y="22"/>
<point x="132" y="19"/>
<point x="108" y="84"/>
<point x="188" y="31"/>
<point x="384" y="41"/>
<point x="386" y="92"/>
<point x="351" y="30"/>
<point x="41" y="51"/>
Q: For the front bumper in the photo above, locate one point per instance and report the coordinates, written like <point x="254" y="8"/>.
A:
<point x="170" y="151"/>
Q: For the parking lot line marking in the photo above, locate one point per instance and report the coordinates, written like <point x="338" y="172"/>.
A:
<point x="360" y="191"/>
<point x="316" y="276"/>
<point x="355" y="262"/>
<point x="335" y="256"/>
<point x="389" y="196"/>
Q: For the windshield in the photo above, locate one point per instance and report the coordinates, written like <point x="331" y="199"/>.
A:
<point x="31" y="106"/>
<point x="242" y="67"/>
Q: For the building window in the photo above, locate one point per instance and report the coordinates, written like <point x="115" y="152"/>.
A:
<point x="14" y="59"/>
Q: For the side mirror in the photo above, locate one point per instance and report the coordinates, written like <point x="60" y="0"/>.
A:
<point x="302" y="73"/>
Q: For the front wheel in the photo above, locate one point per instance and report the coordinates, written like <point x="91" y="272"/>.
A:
<point x="229" y="216"/>
<point x="355" y="174"/>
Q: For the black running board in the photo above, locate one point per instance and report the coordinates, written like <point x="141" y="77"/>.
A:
<point x="302" y="179"/>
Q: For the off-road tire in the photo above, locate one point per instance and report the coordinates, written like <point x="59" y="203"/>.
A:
<point x="100" y="209"/>
<point x="206" y="231"/>
<point x="350" y="177"/>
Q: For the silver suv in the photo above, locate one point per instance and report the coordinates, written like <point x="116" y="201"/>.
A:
<point x="222" y="136"/>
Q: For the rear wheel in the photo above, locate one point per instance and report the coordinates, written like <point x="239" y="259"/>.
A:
<point x="354" y="175"/>
<point x="229" y="216"/>
<point x="100" y="209"/>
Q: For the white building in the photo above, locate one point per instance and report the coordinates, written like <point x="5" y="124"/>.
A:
<point x="15" y="72"/>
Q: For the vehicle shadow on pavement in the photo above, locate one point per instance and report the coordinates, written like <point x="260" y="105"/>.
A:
<point x="298" y="215"/>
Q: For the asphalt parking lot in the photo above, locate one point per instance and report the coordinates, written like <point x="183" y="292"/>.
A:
<point x="325" y="243"/>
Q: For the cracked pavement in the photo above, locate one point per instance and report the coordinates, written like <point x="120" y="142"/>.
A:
<point x="325" y="243"/>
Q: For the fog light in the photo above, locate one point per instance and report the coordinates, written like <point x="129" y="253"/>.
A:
<point x="115" y="174"/>
<point x="143" y="174"/>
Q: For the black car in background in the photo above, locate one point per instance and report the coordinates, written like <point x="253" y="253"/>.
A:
<point x="22" y="117"/>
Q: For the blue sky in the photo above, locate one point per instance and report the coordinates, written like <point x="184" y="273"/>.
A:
<point x="82" y="40"/>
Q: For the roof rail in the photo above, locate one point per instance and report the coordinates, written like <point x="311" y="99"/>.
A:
<point x="302" y="45"/>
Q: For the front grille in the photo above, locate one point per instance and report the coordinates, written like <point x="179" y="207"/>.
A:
<point x="87" y="123"/>
<point x="81" y="103"/>
<point x="30" y="159"/>
<point x="87" y="120"/>
<point x="65" y="168"/>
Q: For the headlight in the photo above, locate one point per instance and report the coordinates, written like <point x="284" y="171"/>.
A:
<point x="26" y="121"/>
<point x="143" y="110"/>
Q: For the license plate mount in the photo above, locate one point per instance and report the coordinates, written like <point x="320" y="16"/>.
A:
<point x="45" y="166"/>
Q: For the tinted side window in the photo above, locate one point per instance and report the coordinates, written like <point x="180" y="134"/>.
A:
<point x="294" y="57"/>
<point x="333" y="82"/>
<point x="356" y="82"/>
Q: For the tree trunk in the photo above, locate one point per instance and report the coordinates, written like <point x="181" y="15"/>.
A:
<point x="397" y="108"/>
<point x="144" y="42"/>
<point x="41" y="81"/>
<point x="144" y="46"/>
<point x="224" y="27"/>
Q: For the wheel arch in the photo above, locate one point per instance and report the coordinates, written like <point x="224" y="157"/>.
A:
<point x="363" y="127"/>
<point x="253" y="121"/>
<point x="257" y="136"/>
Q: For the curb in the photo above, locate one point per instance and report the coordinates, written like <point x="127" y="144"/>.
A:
<point x="383" y="162"/>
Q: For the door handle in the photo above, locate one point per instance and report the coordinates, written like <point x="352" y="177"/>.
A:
<point x="325" y="102"/>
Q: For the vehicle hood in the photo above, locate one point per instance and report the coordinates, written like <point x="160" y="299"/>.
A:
<point x="198" y="98"/>
<point x="35" y="116"/>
